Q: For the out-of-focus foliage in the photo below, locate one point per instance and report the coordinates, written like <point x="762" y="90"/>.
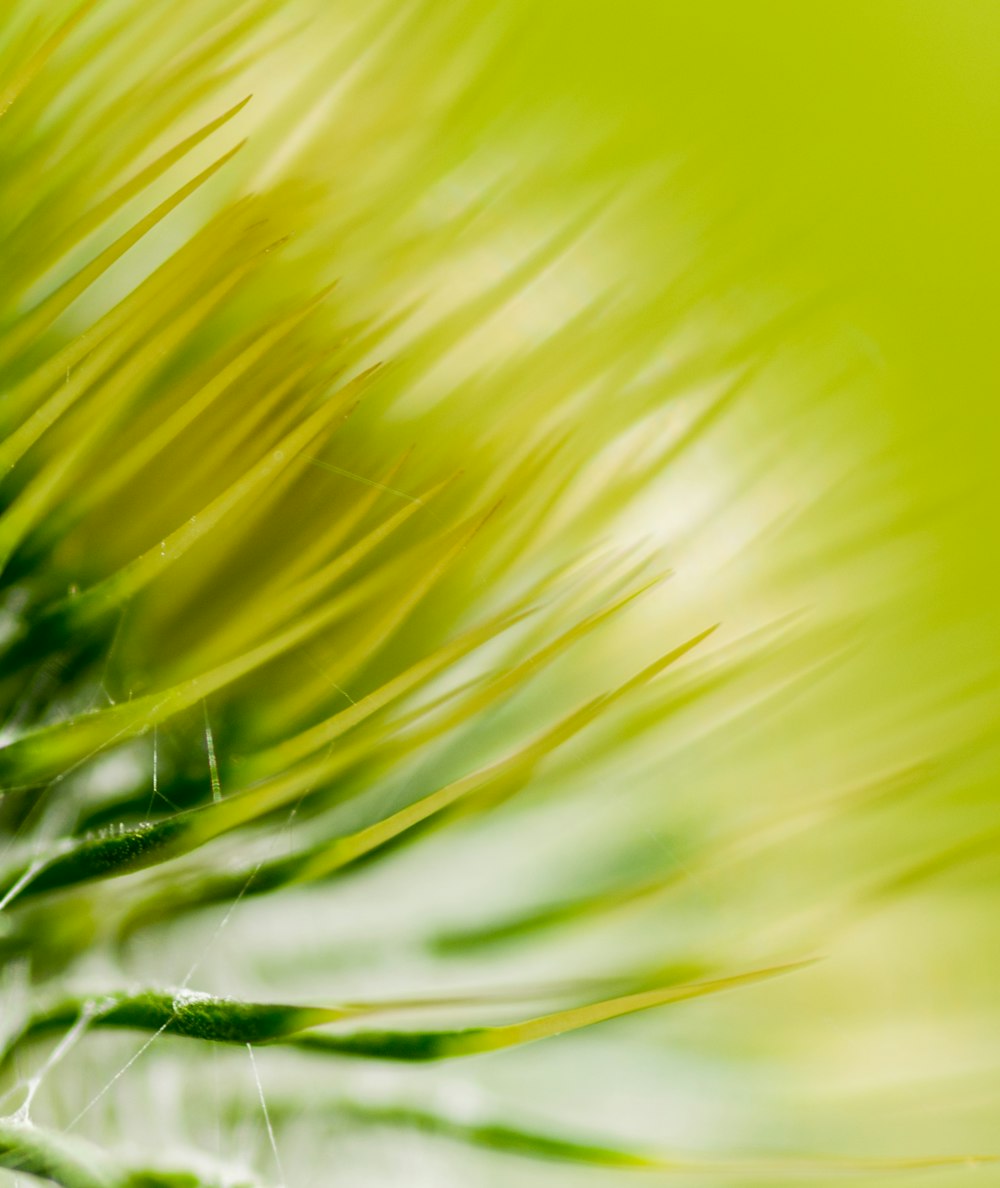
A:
<point x="352" y="739"/>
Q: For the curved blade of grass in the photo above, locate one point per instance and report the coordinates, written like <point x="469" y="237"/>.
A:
<point x="311" y="740"/>
<point x="107" y="207"/>
<point x="343" y="851"/>
<point x="32" y="503"/>
<point x="74" y="1163"/>
<point x="207" y="247"/>
<point x="145" y="569"/>
<point x="172" y="425"/>
<point x="195" y="1015"/>
<point x="45" y="313"/>
<point x="263" y="614"/>
<point x="183" y="1012"/>
<point x="444" y="1045"/>
<point x="137" y="369"/>
<point x="326" y="543"/>
<point x="56" y="1157"/>
<point x="742" y="845"/>
<point x="534" y="1144"/>
<point x="378" y="631"/>
<point x="51" y="752"/>
<point x="30" y="69"/>
<point x="126" y="851"/>
<point x="497" y="1136"/>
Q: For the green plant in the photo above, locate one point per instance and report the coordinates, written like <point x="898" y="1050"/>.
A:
<point x="295" y="587"/>
<point x="206" y="537"/>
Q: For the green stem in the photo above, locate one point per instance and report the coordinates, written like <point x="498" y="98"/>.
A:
<point x="75" y="1163"/>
